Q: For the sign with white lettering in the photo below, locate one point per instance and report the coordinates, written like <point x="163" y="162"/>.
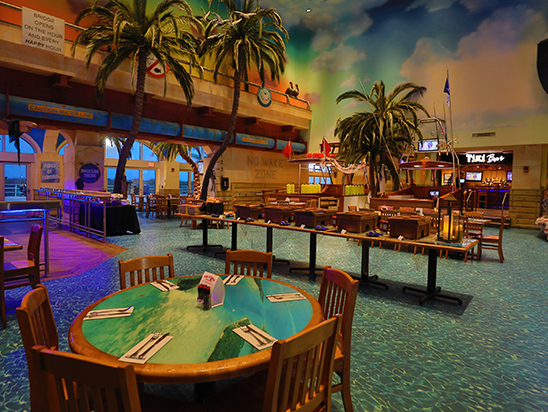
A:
<point x="90" y="173"/>
<point x="42" y="31"/>
<point x="484" y="157"/>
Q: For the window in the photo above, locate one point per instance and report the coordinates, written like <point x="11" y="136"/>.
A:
<point x="149" y="182"/>
<point x="185" y="183"/>
<point x="9" y="147"/>
<point x="148" y="154"/>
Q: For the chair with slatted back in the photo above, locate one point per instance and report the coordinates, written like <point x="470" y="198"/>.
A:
<point x="71" y="382"/>
<point x="150" y="205"/>
<point x="75" y="383"/>
<point x="21" y="273"/>
<point x="162" y="208"/>
<point x="494" y="242"/>
<point x="299" y="376"/>
<point x="37" y="327"/>
<point x="145" y="269"/>
<point x="249" y="262"/>
<point x="338" y="293"/>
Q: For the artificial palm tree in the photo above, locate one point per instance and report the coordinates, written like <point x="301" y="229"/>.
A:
<point x="169" y="151"/>
<point x="250" y="38"/>
<point x="379" y="135"/>
<point x="123" y="31"/>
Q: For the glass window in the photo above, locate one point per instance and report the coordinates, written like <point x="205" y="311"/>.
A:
<point x="62" y="150"/>
<point x="149" y="182"/>
<point x="111" y="151"/>
<point x="136" y="151"/>
<point x="111" y="174"/>
<point x="132" y="176"/>
<point x="149" y="154"/>
<point x="23" y="145"/>
<point x="184" y="178"/>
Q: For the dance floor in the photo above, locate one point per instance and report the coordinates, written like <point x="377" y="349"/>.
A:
<point x="69" y="253"/>
<point x="489" y="355"/>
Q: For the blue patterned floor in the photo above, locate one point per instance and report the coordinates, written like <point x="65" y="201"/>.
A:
<point x="489" y="355"/>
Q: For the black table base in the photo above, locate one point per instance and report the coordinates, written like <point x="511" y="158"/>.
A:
<point x="431" y="291"/>
<point x="312" y="268"/>
<point x="365" y="278"/>
<point x="205" y="245"/>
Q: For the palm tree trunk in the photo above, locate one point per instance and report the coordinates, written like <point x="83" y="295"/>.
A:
<point x="372" y="180"/>
<point x="229" y="134"/>
<point x="136" y="122"/>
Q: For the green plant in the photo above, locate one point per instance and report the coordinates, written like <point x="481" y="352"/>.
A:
<point x="123" y="31"/>
<point x="379" y="135"/>
<point x="250" y="37"/>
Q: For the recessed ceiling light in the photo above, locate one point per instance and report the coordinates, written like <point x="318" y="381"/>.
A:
<point x="308" y="10"/>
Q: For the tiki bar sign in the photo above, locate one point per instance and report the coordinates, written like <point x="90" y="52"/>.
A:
<point x="484" y="158"/>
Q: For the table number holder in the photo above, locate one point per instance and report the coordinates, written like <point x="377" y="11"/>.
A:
<point x="217" y="287"/>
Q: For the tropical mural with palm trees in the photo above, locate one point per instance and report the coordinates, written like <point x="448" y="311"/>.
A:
<point x="488" y="49"/>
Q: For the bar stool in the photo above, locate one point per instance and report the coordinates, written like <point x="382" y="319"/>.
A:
<point x="482" y="198"/>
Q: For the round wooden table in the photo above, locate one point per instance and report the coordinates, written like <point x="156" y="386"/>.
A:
<point x="203" y="348"/>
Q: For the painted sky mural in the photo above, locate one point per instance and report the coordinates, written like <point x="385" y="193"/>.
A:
<point x="489" y="48"/>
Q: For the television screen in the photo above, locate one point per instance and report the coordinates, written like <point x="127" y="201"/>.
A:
<point x="474" y="176"/>
<point x="429" y="145"/>
<point x="462" y="180"/>
<point x="434" y="193"/>
<point x="509" y="176"/>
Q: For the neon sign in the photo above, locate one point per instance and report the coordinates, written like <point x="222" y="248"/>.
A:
<point x="484" y="158"/>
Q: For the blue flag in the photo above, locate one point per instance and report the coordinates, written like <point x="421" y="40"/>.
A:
<point x="446" y="90"/>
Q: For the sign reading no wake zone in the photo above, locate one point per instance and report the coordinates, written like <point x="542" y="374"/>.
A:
<point x="90" y="173"/>
<point x="42" y="31"/>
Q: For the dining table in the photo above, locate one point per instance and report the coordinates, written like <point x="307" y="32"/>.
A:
<point x="11" y="245"/>
<point x="204" y="346"/>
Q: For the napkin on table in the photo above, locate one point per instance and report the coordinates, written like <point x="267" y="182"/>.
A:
<point x="285" y="297"/>
<point x="109" y="313"/>
<point x="232" y="279"/>
<point x="151" y="344"/>
<point x="251" y="336"/>
<point x="164" y="285"/>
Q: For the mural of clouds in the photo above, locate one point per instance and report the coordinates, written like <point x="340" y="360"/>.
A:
<point x="340" y="58"/>
<point x="437" y="5"/>
<point x="494" y="66"/>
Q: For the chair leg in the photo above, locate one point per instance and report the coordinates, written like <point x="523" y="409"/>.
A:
<point x="3" y="304"/>
<point x="501" y="256"/>
<point x="344" y="388"/>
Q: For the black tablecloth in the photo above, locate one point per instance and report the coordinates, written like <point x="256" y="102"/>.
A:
<point x="212" y="208"/>
<point x="120" y="219"/>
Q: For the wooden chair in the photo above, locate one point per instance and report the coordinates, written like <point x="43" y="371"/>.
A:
<point x="21" y="273"/>
<point x="75" y="383"/>
<point x="494" y="242"/>
<point x="37" y="327"/>
<point x="473" y="230"/>
<point x="146" y="269"/>
<point x="150" y="205"/>
<point x="338" y="292"/>
<point x="298" y="377"/>
<point x="162" y="208"/>
<point x="71" y="382"/>
<point x="249" y="262"/>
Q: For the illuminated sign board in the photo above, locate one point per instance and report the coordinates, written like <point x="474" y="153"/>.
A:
<point x="485" y="158"/>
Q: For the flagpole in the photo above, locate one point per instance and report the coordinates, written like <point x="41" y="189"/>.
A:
<point x="450" y="108"/>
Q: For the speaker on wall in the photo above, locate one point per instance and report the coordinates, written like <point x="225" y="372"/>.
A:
<point x="224" y="183"/>
<point x="542" y="64"/>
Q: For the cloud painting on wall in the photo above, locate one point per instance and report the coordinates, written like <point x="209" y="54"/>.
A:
<point x="488" y="47"/>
